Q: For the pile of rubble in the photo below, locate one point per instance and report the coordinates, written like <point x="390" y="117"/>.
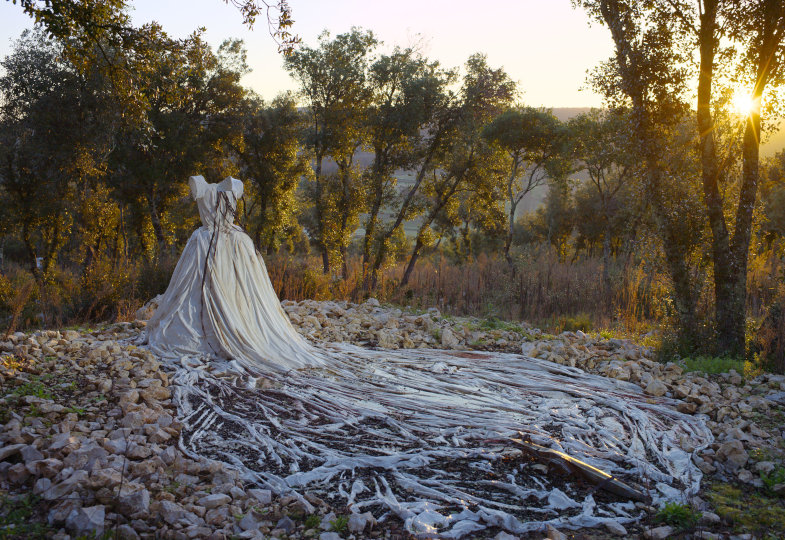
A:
<point x="87" y="424"/>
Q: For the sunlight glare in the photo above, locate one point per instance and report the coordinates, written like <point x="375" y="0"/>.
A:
<point x="742" y="103"/>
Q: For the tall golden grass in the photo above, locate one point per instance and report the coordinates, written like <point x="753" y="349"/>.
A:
<point x="544" y="290"/>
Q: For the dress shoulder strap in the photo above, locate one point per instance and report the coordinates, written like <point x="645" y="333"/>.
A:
<point x="198" y="187"/>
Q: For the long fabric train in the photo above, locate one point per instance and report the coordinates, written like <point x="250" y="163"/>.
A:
<point x="421" y="434"/>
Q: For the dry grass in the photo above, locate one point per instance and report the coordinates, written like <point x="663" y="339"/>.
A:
<point x="545" y="291"/>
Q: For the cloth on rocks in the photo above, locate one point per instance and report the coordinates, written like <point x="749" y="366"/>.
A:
<point x="421" y="434"/>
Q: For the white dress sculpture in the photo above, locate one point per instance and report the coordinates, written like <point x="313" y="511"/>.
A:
<point x="426" y="435"/>
<point x="220" y="302"/>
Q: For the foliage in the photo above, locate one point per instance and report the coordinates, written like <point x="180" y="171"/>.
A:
<point x="406" y="177"/>
<point x="581" y="321"/>
<point x="18" y="519"/>
<point x="272" y="166"/>
<point x="333" y="80"/>
<point x="748" y="511"/>
<point x="679" y="515"/>
<point x="340" y="524"/>
<point x="773" y="478"/>
<point x="737" y="44"/>
<point x="312" y="521"/>
<point x="714" y="365"/>
<point x="531" y="139"/>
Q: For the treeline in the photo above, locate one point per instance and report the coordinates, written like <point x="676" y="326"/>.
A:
<point x="98" y="143"/>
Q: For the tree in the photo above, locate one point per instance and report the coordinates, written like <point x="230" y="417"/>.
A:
<point x="333" y="82"/>
<point x="191" y="95"/>
<point x="97" y="20"/>
<point x="647" y="75"/>
<point x="55" y="129"/>
<point x="530" y="137"/>
<point x="408" y="93"/>
<point x="600" y="143"/>
<point x="464" y="157"/>
<point x="736" y="43"/>
<point x="269" y="161"/>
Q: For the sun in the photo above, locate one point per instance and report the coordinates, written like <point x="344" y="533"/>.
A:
<point x="742" y="103"/>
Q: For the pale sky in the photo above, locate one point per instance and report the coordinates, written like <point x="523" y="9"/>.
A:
<point x="545" y="45"/>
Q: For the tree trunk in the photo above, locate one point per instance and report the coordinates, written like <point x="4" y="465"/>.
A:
<point x="32" y="253"/>
<point x="606" y="262"/>
<point x="373" y="215"/>
<point x="325" y="260"/>
<point x="156" y="221"/>
<point x="412" y="261"/>
<point x="320" y="214"/>
<point x="381" y="252"/>
<point x="508" y="239"/>
<point x="344" y="265"/>
<point x="731" y="315"/>
<point x="726" y="306"/>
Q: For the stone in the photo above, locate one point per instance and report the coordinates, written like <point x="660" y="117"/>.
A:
<point x="17" y="473"/>
<point x="215" y="500"/>
<point x="709" y="517"/>
<point x="448" y="339"/>
<point x="41" y="485"/>
<point x="285" y="524"/>
<point x="552" y="533"/>
<point x="325" y="523"/>
<point x="248" y="523"/>
<point x="134" y="502"/>
<point x="155" y="393"/>
<point x="72" y="483"/>
<point x="217" y="516"/>
<point x="745" y="476"/>
<point x="169" y="455"/>
<point x="126" y="532"/>
<point x="329" y="536"/>
<point x="174" y="514"/>
<point x="658" y="533"/>
<point x="505" y="536"/>
<point x="132" y="420"/>
<point x="764" y="466"/>
<point x="87" y="520"/>
<point x="358" y="522"/>
<point x="30" y="453"/>
<point x="733" y="454"/>
<point x="656" y="388"/>
<point x="115" y="446"/>
<point x="615" y="528"/>
<point x="86" y="456"/>
<point x="262" y="496"/>
<point x="64" y="441"/>
<point x="686" y="407"/>
<point x="10" y="450"/>
<point x="138" y="451"/>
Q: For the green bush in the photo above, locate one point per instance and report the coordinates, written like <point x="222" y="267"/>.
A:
<point x="581" y="321"/>
<point x="679" y="515"/>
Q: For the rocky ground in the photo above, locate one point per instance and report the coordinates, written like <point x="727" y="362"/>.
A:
<point x="88" y="435"/>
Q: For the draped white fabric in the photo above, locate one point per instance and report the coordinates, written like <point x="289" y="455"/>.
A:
<point x="220" y="301"/>
<point x="421" y="434"/>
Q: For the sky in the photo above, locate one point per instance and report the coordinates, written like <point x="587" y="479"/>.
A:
<point x="545" y="45"/>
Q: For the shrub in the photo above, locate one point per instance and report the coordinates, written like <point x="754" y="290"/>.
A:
<point x="679" y="515"/>
<point x="581" y="321"/>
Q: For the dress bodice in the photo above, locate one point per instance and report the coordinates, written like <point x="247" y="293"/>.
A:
<point x="217" y="202"/>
